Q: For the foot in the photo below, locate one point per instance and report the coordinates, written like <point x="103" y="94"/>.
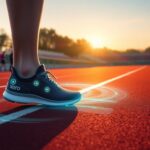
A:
<point x="39" y="89"/>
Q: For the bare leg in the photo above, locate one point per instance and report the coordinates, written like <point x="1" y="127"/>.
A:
<point x="25" y="19"/>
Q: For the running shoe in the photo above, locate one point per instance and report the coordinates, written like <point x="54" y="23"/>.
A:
<point x="42" y="88"/>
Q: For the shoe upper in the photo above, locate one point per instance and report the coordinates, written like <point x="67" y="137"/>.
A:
<point x="41" y="84"/>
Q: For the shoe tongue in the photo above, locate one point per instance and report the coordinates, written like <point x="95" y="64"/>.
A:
<point x="41" y="69"/>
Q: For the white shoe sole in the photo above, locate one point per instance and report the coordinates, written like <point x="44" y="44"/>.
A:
<point x="37" y="100"/>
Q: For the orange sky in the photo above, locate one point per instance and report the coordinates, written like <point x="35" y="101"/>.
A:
<point x="118" y="24"/>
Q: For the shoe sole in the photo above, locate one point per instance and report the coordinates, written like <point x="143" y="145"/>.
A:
<point x="37" y="100"/>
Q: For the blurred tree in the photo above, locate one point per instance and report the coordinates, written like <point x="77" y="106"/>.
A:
<point x="4" y="39"/>
<point x="132" y="51"/>
<point x="47" y="38"/>
<point x="61" y="43"/>
<point x="78" y="47"/>
<point x="147" y="50"/>
<point x="50" y="40"/>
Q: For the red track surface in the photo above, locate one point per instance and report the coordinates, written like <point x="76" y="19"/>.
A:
<point x="125" y="127"/>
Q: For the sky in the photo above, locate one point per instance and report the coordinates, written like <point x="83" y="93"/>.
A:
<point x="116" y="24"/>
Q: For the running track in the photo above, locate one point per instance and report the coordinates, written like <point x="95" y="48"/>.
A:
<point x="113" y="115"/>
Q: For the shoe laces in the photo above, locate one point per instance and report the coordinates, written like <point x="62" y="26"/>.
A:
<point x="48" y="75"/>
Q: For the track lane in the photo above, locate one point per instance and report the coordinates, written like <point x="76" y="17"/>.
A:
<point x="105" y="74"/>
<point x="127" y="127"/>
<point x="118" y="130"/>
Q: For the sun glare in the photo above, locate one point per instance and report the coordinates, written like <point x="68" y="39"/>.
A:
<point x="96" y="42"/>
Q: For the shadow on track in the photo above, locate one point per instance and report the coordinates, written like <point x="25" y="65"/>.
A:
<point x="35" y="130"/>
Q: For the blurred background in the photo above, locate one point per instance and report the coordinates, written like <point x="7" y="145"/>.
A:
<point x="86" y="33"/>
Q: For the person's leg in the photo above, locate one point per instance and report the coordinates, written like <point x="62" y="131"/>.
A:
<point x="25" y="19"/>
<point x="30" y="82"/>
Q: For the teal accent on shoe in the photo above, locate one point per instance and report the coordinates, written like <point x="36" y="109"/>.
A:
<point x="47" y="89"/>
<point x="36" y="83"/>
<point x="13" y="81"/>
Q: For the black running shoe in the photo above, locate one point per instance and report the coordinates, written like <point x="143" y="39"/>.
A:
<point x="39" y="89"/>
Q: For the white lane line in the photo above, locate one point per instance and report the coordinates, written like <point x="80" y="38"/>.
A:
<point x="110" y="80"/>
<point x="16" y="115"/>
<point x="94" y="109"/>
<point x="2" y="86"/>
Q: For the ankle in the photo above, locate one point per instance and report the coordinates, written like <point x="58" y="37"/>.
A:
<point x="26" y="71"/>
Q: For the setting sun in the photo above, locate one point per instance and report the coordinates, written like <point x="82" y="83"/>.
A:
<point x="95" y="42"/>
